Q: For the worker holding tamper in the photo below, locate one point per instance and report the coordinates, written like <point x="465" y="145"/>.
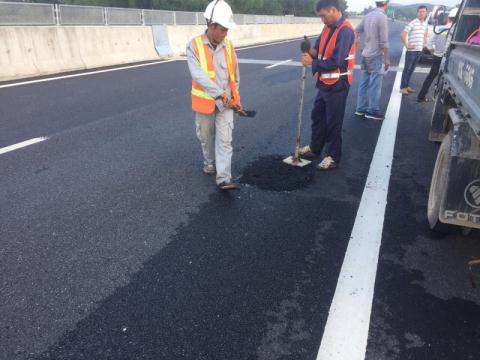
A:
<point x="333" y="61"/>
<point x="215" y="79"/>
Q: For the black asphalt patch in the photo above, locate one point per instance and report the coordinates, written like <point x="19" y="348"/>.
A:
<point x="272" y="174"/>
<point x="234" y="283"/>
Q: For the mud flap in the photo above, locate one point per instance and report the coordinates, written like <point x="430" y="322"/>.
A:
<point x="461" y="204"/>
<point x="439" y="120"/>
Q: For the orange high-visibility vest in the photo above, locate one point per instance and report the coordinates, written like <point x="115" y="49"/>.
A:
<point x="331" y="77"/>
<point x="201" y="101"/>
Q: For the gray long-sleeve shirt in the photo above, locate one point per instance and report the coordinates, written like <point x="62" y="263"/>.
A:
<point x="438" y="42"/>
<point x="221" y="84"/>
<point x="375" y="28"/>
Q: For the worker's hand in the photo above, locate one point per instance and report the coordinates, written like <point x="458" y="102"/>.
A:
<point x="307" y="60"/>
<point x="410" y="46"/>
<point x="387" y="63"/>
<point x="226" y="100"/>
<point x="313" y="53"/>
<point x="238" y="107"/>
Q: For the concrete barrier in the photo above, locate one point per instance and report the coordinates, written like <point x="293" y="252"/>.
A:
<point x="35" y="51"/>
<point x="243" y="35"/>
<point x="29" y="51"/>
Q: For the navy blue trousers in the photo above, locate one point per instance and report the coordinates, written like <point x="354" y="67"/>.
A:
<point x="327" y="120"/>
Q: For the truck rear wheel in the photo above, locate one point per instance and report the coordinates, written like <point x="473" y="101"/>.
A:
<point x="438" y="187"/>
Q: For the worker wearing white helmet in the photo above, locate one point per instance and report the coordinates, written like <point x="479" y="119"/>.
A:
<point x="215" y="79"/>
<point x="453" y="14"/>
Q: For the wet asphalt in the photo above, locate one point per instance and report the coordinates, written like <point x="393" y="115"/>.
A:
<point x="116" y="246"/>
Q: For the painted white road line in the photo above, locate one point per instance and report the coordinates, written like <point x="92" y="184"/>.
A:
<point x="273" y="63"/>
<point x="278" y="64"/>
<point x="346" y="331"/>
<point x="180" y="58"/>
<point x="22" y="145"/>
<point x="277" y="42"/>
<point x="85" y="74"/>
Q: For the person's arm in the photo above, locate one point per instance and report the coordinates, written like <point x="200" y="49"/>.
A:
<point x="384" y="42"/>
<point x="404" y="36"/>
<point x="431" y="43"/>
<point x="345" y="40"/>
<point x="237" y="80"/>
<point x="425" y="38"/>
<point x="199" y="75"/>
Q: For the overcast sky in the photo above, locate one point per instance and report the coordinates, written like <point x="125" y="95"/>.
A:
<point x="358" y="5"/>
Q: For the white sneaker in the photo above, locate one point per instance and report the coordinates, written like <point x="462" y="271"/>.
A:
<point x="327" y="164"/>
<point x="306" y="151"/>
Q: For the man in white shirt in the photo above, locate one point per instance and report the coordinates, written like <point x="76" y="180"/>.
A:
<point x="414" y="38"/>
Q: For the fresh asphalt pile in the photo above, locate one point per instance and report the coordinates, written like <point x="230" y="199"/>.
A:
<point x="271" y="173"/>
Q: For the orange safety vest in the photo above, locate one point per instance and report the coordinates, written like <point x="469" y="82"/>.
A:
<point x="332" y="77"/>
<point x="201" y="101"/>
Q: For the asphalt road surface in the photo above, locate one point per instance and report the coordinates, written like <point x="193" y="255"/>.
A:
<point x="115" y="245"/>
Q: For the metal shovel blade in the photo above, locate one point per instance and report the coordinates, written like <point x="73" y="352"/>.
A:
<point x="298" y="162"/>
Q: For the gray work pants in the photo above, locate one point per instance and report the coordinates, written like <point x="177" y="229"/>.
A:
<point x="215" y="134"/>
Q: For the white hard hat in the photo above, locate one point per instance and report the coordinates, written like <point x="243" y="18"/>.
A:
<point x="453" y="13"/>
<point x="219" y="12"/>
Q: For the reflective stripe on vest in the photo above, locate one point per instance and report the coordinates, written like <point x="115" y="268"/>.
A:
<point x="332" y="77"/>
<point x="349" y="57"/>
<point x="232" y="66"/>
<point x="202" y="102"/>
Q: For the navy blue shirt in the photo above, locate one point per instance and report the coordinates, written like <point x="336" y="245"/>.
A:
<point x="345" y="40"/>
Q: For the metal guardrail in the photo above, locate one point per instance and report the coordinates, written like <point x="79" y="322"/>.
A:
<point x="121" y="16"/>
<point x="158" y="17"/>
<point x="14" y="13"/>
<point x="80" y="15"/>
<point x="27" y="14"/>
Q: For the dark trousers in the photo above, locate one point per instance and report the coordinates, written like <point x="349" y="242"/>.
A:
<point x="411" y="60"/>
<point x="327" y="120"/>
<point x="434" y="70"/>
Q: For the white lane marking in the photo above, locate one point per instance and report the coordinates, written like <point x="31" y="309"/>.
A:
<point x="278" y="64"/>
<point x="276" y="43"/>
<point x="22" y="145"/>
<point x="421" y="70"/>
<point x="346" y="331"/>
<point x="127" y="67"/>
<point x="85" y="74"/>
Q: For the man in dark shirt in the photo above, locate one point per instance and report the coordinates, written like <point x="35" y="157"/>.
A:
<point x="334" y="75"/>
